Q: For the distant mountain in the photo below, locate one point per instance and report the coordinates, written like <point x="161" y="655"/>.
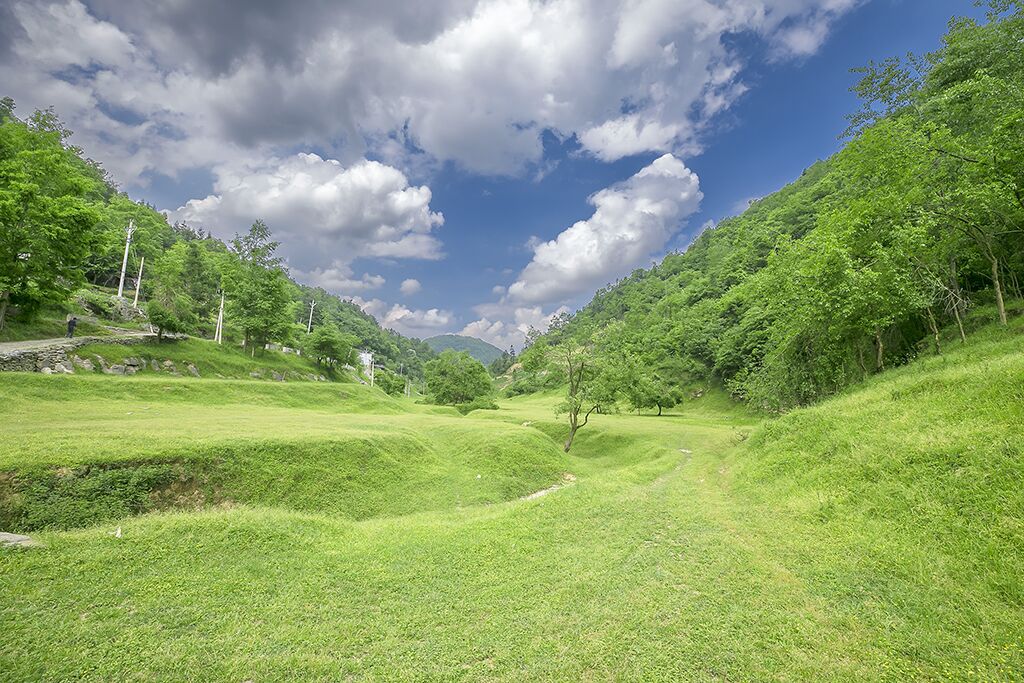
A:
<point x="477" y="348"/>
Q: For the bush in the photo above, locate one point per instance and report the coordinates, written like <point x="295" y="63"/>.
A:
<point x="455" y="377"/>
<point x="389" y="382"/>
<point x="483" y="403"/>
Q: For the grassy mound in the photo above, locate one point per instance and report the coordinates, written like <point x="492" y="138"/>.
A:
<point x="89" y="448"/>
<point x="902" y="504"/>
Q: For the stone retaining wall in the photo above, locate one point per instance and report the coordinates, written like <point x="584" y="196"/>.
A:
<point x="54" y="357"/>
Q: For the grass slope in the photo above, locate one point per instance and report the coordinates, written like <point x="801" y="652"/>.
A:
<point x="82" y="449"/>
<point x="211" y="359"/>
<point x="875" y="537"/>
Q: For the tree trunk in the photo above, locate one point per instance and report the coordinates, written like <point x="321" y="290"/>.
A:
<point x="1016" y="286"/>
<point x="4" y="300"/>
<point x="659" y="410"/>
<point x="996" y="283"/>
<point x="572" y="435"/>
<point x="879" y="352"/>
<point x="935" y="330"/>
<point x="959" y="321"/>
<point x="159" y="335"/>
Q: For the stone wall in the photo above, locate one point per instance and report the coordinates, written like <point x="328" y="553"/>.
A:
<point x="54" y="357"/>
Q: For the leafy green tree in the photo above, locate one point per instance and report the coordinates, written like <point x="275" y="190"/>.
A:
<point x="258" y="288"/>
<point x="389" y="382"/>
<point x="329" y="346"/>
<point x="48" y="212"/>
<point x="590" y="385"/>
<point x="456" y="377"/>
<point x="502" y="364"/>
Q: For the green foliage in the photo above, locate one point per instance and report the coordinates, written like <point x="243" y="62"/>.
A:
<point x="329" y="346"/>
<point x="48" y="212"/>
<point x="171" y="315"/>
<point x="852" y="268"/>
<point x="503" y="363"/>
<point x="454" y="377"/>
<point x="477" y="348"/>
<point x="259" y="292"/>
<point x="389" y="382"/>
<point x="45" y="499"/>
<point x="62" y="221"/>
<point x="96" y="302"/>
<point x="399" y="354"/>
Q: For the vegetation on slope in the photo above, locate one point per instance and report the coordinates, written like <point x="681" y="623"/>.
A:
<point x="854" y="267"/>
<point x="210" y="359"/>
<point x="477" y="348"/>
<point x="62" y="224"/>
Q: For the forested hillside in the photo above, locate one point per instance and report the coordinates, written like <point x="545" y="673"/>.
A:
<point x="855" y="266"/>
<point x="477" y="348"/>
<point x="63" y="225"/>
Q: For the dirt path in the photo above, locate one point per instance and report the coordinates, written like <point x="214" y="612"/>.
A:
<point x="17" y="540"/>
<point x="57" y="342"/>
<point x="567" y="480"/>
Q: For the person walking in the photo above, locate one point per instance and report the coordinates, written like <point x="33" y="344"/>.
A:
<point x="72" y="321"/>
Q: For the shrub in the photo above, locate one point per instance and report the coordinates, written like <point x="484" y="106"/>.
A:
<point x="455" y="377"/>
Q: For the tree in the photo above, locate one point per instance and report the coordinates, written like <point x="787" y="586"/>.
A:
<point x="328" y="346"/>
<point x="456" y="377"/>
<point x="390" y="383"/>
<point x="590" y="386"/>
<point x="171" y="315"/>
<point x="47" y="213"/>
<point x="501" y="364"/>
<point x="258" y="288"/>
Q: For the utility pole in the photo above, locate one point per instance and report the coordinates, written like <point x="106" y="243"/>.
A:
<point x="138" y="283"/>
<point x="309" y="326"/>
<point x="373" y="366"/>
<point x="124" y="262"/>
<point x="218" y="335"/>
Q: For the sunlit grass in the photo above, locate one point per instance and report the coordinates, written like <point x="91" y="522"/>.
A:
<point x="875" y="537"/>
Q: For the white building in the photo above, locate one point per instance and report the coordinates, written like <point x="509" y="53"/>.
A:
<point x="366" y="360"/>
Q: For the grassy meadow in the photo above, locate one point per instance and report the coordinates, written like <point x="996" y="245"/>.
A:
<point x="323" y="531"/>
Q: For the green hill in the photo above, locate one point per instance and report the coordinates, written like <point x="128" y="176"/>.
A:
<point x="477" y="348"/>
<point x="854" y="267"/>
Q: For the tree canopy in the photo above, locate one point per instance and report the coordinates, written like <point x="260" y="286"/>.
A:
<point x="455" y="377"/>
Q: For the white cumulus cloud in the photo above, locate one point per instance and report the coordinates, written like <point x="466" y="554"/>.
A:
<point x="410" y="286"/>
<point x="323" y="211"/>
<point x="506" y="325"/>
<point x="408" y="321"/>
<point x="159" y="87"/>
<point x="631" y="221"/>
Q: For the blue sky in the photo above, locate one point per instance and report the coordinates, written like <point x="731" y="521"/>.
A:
<point x="449" y="153"/>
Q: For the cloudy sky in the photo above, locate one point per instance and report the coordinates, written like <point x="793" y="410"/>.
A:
<point x="457" y="165"/>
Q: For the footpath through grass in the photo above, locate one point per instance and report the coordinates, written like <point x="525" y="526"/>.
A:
<point x="875" y="537"/>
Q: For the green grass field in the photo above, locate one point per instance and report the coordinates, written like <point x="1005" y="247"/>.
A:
<point x="313" y="531"/>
